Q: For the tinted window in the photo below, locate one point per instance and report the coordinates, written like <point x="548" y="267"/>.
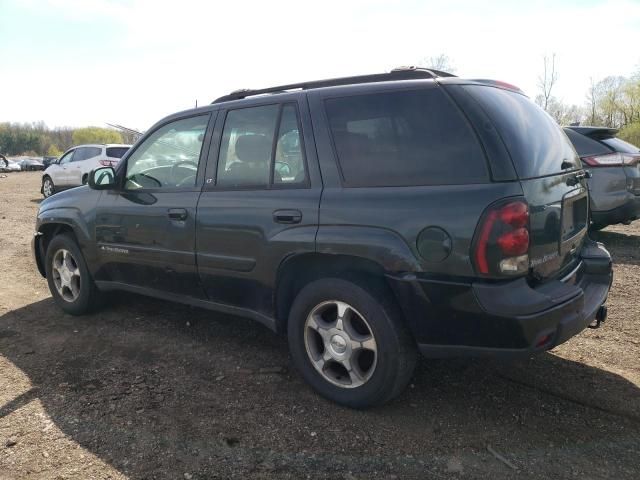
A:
<point x="586" y="146"/>
<point x="169" y="157"/>
<point x="404" y="138"/>
<point x="116" y="152"/>
<point x="247" y="154"/>
<point x="537" y="144"/>
<point x="289" y="161"/>
<point x="85" y="153"/>
<point x="620" y="145"/>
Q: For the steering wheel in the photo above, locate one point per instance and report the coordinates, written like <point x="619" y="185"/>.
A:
<point x="174" y="171"/>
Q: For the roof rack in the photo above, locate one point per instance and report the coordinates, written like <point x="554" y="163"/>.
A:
<point x="400" y="73"/>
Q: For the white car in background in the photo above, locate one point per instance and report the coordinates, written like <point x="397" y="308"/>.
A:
<point x="73" y="167"/>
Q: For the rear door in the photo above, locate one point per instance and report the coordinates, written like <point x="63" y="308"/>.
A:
<point x="260" y="202"/>
<point x="549" y="171"/>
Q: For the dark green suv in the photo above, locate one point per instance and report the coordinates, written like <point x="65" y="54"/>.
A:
<point x="368" y="218"/>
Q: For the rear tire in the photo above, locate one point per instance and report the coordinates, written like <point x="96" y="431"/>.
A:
<point x="70" y="282"/>
<point x="335" y="324"/>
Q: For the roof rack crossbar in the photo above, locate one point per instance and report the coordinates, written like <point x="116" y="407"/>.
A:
<point x="402" y="73"/>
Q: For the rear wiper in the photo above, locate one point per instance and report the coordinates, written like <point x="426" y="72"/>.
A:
<point x="566" y="164"/>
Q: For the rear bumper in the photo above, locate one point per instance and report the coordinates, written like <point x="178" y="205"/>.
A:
<point x="626" y="212"/>
<point x="508" y="319"/>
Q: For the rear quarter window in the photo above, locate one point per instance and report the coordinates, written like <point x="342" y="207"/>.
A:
<point x="586" y="146"/>
<point x="536" y="143"/>
<point x="403" y="139"/>
<point x="116" y="152"/>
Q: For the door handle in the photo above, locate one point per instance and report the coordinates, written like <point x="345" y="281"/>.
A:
<point x="178" y="214"/>
<point x="287" y="216"/>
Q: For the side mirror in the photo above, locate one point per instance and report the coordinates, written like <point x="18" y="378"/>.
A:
<point x="103" y="178"/>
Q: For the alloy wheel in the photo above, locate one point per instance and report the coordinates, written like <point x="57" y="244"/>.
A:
<point x="340" y="344"/>
<point x="66" y="275"/>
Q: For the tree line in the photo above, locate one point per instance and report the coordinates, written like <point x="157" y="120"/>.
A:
<point x="37" y="139"/>
<point x="613" y="101"/>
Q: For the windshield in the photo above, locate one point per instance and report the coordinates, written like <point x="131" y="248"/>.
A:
<point x="537" y="144"/>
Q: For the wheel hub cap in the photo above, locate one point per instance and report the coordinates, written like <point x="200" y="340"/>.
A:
<point x="338" y="344"/>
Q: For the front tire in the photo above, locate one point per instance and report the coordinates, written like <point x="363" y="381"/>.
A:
<point x="70" y="282"/>
<point x="48" y="188"/>
<point x="349" y="342"/>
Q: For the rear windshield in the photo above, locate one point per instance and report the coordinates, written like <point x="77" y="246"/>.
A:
<point x="537" y="144"/>
<point x="620" y="145"/>
<point x="404" y="138"/>
<point x="116" y="152"/>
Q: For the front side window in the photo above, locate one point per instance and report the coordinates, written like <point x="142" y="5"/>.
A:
<point x="169" y="157"/>
<point x="403" y="139"/>
<point x="66" y="158"/>
<point x="258" y="151"/>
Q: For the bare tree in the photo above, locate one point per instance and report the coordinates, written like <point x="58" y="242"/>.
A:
<point x="547" y="81"/>
<point x="592" y="99"/>
<point x="440" y="62"/>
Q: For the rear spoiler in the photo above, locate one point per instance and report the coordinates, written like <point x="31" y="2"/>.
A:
<point x="596" y="132"/>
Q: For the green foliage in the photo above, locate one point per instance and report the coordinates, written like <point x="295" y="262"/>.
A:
<point x="631" y="133"/>
<point x="54" y="151"/>
<point x="96" y="135"/>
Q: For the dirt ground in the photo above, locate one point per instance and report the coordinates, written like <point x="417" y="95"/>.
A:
<point x="148" y="389"/>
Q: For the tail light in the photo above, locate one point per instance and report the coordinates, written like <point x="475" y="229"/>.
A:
<point x="501" y="243"/>
<point x="107" y="163"/>
<point x="612" y="160"/>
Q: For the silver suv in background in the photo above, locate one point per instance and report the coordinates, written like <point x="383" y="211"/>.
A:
<point x="614" y="189"/>
<point x="73" y="167"/>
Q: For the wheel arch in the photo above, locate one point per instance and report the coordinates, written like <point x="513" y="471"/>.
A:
<point x="46" y="232"/>
<point x="297" y="271"/>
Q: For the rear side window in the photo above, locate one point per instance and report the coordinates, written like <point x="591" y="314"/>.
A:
<point x="586" y="146"/>
<point x="261" y="148"/>
<point x="537" y="144"/>
<point x="85" y="153"/>
<point x="116" y="152"/>
<point x="620" y="145"/>
<point x="403" y="139"/>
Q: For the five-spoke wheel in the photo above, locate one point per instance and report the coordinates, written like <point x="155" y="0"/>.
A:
<point x="340" y="344"/>
<point x="66" y="275"/>
<point x="348" y="340"/>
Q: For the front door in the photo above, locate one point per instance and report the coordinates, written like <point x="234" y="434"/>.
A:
<point x="260" y="203"/>
<point x="60" y="172"/>
<point x="145" y="229"/>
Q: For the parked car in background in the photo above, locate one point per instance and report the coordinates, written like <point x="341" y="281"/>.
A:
<point x="31" y="164"/>
<point x="10" y="166"/>
<point x="367" y="218"/>
<point x="614" y="188"/>
<point x="72" y="170"/>
<point x="47" y="160"/>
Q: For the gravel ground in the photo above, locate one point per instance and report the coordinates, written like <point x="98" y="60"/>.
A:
<point x="148" y="389"/>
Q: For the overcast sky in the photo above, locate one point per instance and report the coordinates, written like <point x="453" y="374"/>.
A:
<point x="87" y="62"/>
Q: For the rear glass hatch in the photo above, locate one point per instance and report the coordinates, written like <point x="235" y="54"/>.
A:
<point x="548" y="169"/>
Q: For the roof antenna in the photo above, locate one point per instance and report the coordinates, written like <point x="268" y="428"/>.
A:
<point x="196" y="103"/>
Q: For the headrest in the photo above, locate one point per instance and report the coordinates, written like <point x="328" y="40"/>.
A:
<point x="253" y="148"/>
